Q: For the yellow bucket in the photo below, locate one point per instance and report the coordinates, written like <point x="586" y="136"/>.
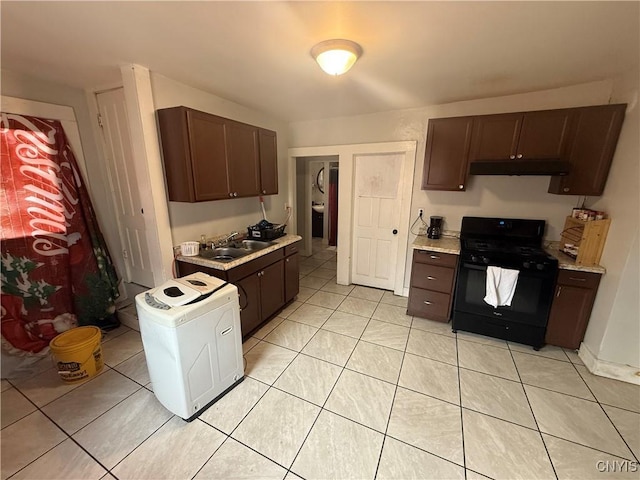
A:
<point x="78" y="353"/>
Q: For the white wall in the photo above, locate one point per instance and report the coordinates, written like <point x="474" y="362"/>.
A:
<point x="190" y="220"/>
<point x="523" y="197"/>
<point x="614" y="329"/>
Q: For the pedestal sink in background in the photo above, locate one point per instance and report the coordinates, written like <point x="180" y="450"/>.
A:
<point x="318" y="208"/>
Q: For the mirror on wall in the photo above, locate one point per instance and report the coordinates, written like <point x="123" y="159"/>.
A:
<point x="320" y="180"/>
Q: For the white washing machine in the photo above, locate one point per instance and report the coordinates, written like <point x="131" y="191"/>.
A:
<point x="192" y="341"/>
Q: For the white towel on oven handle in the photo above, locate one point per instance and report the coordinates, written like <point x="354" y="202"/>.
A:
<point x="500" y="286"/>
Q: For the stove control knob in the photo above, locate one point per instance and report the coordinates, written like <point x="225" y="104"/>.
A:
<point x="526" y="265"/>
<point x="485" y="260"/>
<point x="540" y="266"/>
<point x="474" y="258"/>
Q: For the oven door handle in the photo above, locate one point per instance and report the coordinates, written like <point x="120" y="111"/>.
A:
<point x="474" y="267"/>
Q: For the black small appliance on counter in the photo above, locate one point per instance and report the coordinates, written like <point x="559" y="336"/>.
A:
<point x="264" y="230"/>
<point x="435" y="227"/>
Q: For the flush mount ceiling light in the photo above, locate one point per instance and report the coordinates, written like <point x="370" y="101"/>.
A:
<point x="336" y="56"/>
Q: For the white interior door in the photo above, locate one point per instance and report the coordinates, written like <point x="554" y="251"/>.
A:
<point x="124" y="186"/>
<point x="377" y="207"/>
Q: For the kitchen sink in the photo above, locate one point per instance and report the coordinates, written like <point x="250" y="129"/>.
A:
<point x="224" y="254"/>
<point x="234" y="250"/>
<point x="255" y="244"/>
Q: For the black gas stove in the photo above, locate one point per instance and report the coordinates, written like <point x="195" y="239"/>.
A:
<point x="513" y="244"/>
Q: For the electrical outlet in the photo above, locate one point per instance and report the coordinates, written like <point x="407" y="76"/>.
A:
<point x="420" y="212"/>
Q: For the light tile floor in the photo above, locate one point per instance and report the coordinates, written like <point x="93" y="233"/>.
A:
<point x="342" y="384"/>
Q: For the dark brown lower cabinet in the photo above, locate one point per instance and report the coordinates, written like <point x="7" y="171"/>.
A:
<point x="571" y="308"/>
<point x="265" y="284"/>
<point x="271" y="288"/>
<point x="291" y="275"/>
<point x="249" y="291"/>
<point x="432" y="282"/>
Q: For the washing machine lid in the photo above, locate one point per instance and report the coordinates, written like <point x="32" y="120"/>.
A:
<point x="180" y="291"/>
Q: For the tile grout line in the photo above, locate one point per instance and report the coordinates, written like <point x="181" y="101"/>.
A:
<point x="533" y="413"/>
<point x="322" y="408"/>
<point x="393" y="400"/>
<point x="69" y="437"/>
<point x="633" y="454"/>
<point x="464" y="451"/>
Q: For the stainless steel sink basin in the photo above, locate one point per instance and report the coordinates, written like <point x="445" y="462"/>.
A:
<point x="256" y="244"/>
<point x="224" y="254"/>
<point x="234" y="250"/>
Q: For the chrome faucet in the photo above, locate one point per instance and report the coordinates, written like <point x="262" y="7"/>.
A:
<point x="226" y="239"/>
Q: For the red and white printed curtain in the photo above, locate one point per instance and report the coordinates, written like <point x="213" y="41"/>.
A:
<point x="56" y="270"/>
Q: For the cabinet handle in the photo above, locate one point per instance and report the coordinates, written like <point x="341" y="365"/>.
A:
<point x="428" y="303"/>
<point x="519" y="155"/>
<point x="460" y="187"/>
<point x="231" y="194"/>
<point x="565" y="189"/>
<point x="559" y="290"/>
<point x="235" y="194"/>
<point x="287" y="260"/>
<point x="264" y="191"/>
<point x="429" y="277"/>
<point x="435" y="257"/>
<point x="576" y="279"/>
<point x="511" y="157"/>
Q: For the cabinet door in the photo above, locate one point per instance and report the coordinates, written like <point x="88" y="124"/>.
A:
<point x="591" y="150"/>
<point x="268" y="162"/>
<point x="569" y="316"/>
<point x="495" y="137"/>
<point x="428" y="304"/>
<point x="272" y="289"/>
<point x="544" y="134"/>
<point x="242" y="159"/>
<point x="208" y="156"/>
<point x="291" y="277"/>
<point x="447" y="153"/>
<point x="249" y="290"/>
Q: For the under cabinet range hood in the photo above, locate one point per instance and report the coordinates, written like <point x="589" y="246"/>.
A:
<point x="520" y="167"/>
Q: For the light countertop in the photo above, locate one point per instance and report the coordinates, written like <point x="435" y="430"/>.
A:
<point x="210" y="263"/>
<point x="452" y="245"/>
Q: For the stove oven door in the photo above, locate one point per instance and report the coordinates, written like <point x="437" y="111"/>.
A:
<point x="531" y="301"/>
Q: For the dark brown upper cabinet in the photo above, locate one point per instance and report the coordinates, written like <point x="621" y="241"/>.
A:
<point x="268" y="161"/>
<point x="521" y="136"/>
<point x="207" y="157"/>
<point x="446" y="154"/>
<point x="594" y="138"/>
<point x="243" y="159"/>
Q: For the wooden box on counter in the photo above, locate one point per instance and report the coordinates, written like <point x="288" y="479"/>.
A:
<point x="589" y="236"/>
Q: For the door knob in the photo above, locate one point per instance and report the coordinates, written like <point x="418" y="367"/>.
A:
<point x="395" y="232"/>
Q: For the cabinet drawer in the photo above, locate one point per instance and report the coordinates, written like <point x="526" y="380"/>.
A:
<point x="254" y="265"/>
<point x="435" y="258"/>
<point x="578" y="279"/>
<point x="432" y="277"/>
<point x="428" y="304"/>
<point x="291" y="249"/>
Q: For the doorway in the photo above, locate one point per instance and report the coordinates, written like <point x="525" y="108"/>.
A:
<point x="346" y="158"/>
<point x="317" y="202"/>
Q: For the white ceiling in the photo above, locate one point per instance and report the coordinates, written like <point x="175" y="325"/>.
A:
<point x="257" y="53"/>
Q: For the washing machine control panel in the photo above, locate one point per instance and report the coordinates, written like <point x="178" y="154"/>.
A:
<point x="151" y="301"/>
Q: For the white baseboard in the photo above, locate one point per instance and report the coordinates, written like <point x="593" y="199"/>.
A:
<point x="617" y="371"/>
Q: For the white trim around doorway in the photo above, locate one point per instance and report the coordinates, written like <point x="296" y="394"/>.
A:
<point x="346" y="159"/>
